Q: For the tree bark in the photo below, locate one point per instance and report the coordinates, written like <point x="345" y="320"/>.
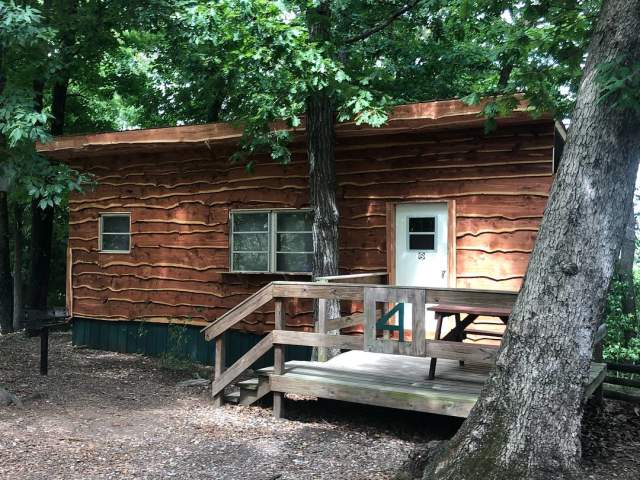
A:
<point x="18" y="284"/>
<point x="321" y="140"/>
<point x="526" y="422"/>
<point x="6" y="297"/>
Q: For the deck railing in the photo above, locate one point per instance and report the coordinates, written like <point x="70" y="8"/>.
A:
<point x="372" y="296"/>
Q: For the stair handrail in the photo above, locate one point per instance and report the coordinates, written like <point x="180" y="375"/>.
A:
<point x="238" y="313"/>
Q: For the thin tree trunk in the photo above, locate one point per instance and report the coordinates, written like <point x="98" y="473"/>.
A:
<point x="18" y="242"/>
<point x="40" y="253"/>
<point x="625" y="268"/>
<point x="5" y="265"/>
<point x="526" y="422"/>
<point x="6" y="297"/>
<point x="321" y="141"/>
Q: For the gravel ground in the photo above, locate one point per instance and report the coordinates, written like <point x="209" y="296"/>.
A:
<point x="103" y="415"/>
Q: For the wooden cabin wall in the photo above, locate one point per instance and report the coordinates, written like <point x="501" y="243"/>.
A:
<point x="180" y="200"/>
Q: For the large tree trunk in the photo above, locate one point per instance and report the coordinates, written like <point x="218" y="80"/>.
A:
<point x="526" y="423"/>
<point x="18" y="284"/>
<point x="6" y="297"/>
<point x="321" y="140"/>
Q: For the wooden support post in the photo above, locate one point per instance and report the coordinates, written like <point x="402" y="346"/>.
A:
<point x="278" y="357"/>
<point x="220" y="367"/>
<point x="419" y="324"/>
<point x="370" y="320"/>
<point x="461" y="335"/>
<point x="323" y="352"/>
<point x="44" y="350"/>
<point x="432" y="367"/>
<point x="386" y="334"/>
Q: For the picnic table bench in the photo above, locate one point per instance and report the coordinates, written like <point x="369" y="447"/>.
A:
<point x="37" y="322"/>
<point x="457" y="334"/>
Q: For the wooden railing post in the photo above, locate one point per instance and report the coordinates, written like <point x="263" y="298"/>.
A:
<point x="386" y="334"/>
<point x="278" y="357"/>
<point x="323" y="352"/>
<point x="220" y="367"/>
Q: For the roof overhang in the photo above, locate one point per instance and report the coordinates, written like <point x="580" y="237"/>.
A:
<point x="417" y="117"/>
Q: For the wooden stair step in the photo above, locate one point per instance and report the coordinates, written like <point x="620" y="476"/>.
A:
<point x="253" y="390"/>
<point x="233" y="397"/>
<point x="250" y="384"/>
<point x="487" y="333"/>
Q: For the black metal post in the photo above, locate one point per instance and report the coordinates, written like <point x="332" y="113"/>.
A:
<point x="44" y="350"/>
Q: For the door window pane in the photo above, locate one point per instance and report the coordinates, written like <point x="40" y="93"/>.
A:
<point x="423" y="224"/>
<point x="422" y="242"/>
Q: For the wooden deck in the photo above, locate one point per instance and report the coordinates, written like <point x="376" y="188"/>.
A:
<point x="394" y="381"/>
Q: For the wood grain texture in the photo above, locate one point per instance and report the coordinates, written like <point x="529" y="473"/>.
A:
<point x="180" y="198"/>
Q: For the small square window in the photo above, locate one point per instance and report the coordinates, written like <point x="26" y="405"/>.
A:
<point x="115" y="233"/>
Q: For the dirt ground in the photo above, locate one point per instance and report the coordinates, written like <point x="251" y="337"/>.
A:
<point x="103" y="415"/>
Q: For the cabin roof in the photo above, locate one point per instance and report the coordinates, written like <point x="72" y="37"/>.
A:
<point x="428" y="116"/>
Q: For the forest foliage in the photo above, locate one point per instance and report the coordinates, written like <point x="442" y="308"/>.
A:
<point x="622" y="342"/>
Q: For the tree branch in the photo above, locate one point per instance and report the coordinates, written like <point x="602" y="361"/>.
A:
<point x="382" y="25"/>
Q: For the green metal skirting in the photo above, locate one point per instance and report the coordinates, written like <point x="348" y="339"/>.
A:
<point x="180" y="341"/>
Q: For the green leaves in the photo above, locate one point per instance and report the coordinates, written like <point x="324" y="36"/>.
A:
<point x="619" y="82"/>
<point x="19" y="120"/>
<point x="622" y="342"/>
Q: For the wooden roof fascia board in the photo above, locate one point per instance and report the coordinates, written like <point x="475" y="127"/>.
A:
<point x="404" y="118"/>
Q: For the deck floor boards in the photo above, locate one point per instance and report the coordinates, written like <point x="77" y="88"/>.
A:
<point x="393" y="381"/>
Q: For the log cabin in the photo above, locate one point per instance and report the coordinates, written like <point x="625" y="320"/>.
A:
<point x="173" y="233"/>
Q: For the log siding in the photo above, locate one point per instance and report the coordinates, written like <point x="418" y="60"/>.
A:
<point x="180" y="198"/>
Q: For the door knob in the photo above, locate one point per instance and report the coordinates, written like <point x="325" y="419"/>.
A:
<point x="443" y="273"/>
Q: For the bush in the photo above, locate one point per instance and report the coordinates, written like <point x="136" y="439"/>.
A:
<point x="622" y="343"/>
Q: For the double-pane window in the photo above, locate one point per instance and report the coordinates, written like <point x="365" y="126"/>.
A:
<point x="422" y="233"/>
<point x="271" y="241"/>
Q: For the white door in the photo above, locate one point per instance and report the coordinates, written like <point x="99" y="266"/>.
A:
<point x="422" y="248"/>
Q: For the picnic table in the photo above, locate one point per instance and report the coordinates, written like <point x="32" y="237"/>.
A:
<point x="457" y="334"/>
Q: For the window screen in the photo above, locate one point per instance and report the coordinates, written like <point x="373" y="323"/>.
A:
<point x="422" y="233"/>
<point x="115" y="232"/>
<point x="250" y="242"/>
<point x="272" y="241"/>
<point x="294" y="242"/>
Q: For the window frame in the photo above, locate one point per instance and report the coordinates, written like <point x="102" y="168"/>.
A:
<point x="272" y="254"/>
<point x="434" y="233"/>
<point x="232" y="235"/>
<point x="101" y="232"/>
